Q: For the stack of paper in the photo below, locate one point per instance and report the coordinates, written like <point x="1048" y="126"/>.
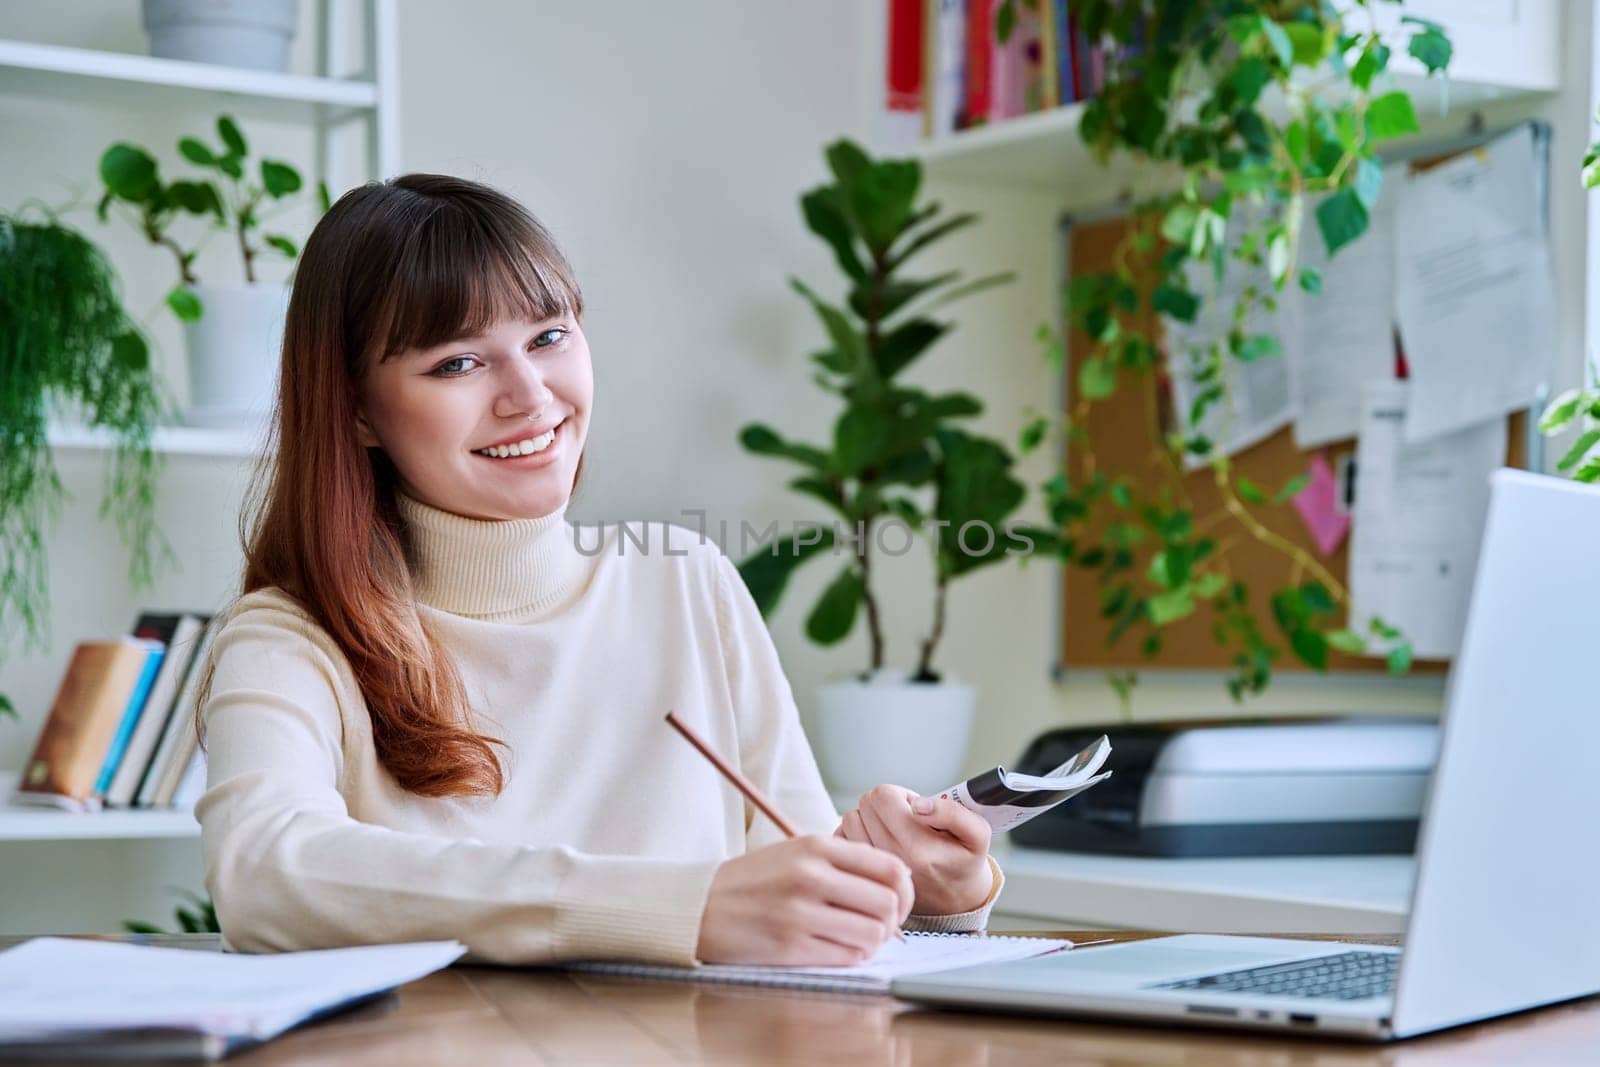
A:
<point x="108" y="999"/>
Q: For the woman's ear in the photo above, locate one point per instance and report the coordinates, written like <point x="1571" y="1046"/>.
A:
<point x="364" y="432"/>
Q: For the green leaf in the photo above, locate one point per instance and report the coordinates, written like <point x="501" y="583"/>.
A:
<point x="1347" y="641"/>
<point x="1208" y="586"/>
<point x="955" y="406"/>
<point x="231" y="166"/>
<point x="764" y="441"/>
<point x="835" y="613"/>
<point x="1291" y="489"/>
<point x="905" y="343"/>
<point x="1033" y="435"/>
<point x="1311" y="280"/>
<point x="766" y="571"/>
<point x="1374" y="60"/>
<point x="1315" y="599"/>
<point x="1368" y="182"/>
<point x="847" y="340"/>
<point x="860" y="438"/>
<point x="1281" y="45"/>
<point x="1309" y="43"/>
<point x="1097" y="378"/>
<point x="1311" y="647"/>
<point x="1005" y="20"/>
<point x="1391" y="115"/>
<point x="185" y="304"/>
<point x="1579" y="449"/>
<point x="282" y="244"/>
<point x="228" y="130"/>
<point x="1562" y="410"/>
<point x="195" y="151"/>
<point x="1591" y="168"/>
<point x="324" y="199"/>
<point x="197" y="198"/>
<point x="1170" y="606"/>
<point x="1258" y="346"/>
<point x="825" y="218"/>
<point x="1178" y="223"/>
<point x="1431" y="48"/>
<point x="279" y="179"/>
<point x="1341" y="218"/>
<point x="1399" y="659"/>
<point x="130" y="173"/>
<point x="1175" y="301"/>
<point x="1250" y="492"/>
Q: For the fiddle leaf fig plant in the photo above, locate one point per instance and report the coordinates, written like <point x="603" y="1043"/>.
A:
<point x="1259" y="122"/>
<point x="896" y="453"/>
<point x="232" y="198"/>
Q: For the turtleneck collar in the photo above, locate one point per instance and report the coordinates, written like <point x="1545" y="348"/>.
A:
<point x="478" y="567"/>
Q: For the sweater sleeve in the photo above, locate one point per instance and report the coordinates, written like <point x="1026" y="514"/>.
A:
<point x="289" y="868"/>
<point x="773" y="751"/>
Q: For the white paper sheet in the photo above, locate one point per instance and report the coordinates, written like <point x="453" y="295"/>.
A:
<point x="1418" y="520"/>
<point x="1346" y="332"/>
<point x="1474" y="288"/>
<point x="61" y="987"/>
<point x="1257" y="404"/>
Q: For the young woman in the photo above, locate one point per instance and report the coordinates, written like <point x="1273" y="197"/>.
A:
<point x="436" y="709"/>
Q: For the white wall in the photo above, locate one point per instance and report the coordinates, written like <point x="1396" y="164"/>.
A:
<point x="666" y="148"/>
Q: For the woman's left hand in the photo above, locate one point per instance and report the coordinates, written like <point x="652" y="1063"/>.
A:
<point x="945" y="845"/>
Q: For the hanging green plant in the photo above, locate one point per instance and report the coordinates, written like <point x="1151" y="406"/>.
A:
<point x="1269" y="114"/>
<point x="67" y="345"/>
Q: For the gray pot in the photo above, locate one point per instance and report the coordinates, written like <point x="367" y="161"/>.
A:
<point x="233" y="33"/>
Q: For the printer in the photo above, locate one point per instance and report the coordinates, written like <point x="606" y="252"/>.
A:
<point x="1284" y="787"/>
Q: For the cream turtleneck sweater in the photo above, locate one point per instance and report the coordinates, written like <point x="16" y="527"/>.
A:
<point x="572" y="642"/>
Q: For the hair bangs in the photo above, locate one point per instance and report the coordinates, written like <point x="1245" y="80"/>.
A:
<point x="469" y="266"/>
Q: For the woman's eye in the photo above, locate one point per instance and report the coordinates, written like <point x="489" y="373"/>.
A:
<point x="444" y="370"/>
<point x="550" y="337"/>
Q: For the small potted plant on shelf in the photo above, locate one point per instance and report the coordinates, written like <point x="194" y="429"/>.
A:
<point x="898" y="456"/>
<point x="232" y="332"/>
<point x="67" y="344"/>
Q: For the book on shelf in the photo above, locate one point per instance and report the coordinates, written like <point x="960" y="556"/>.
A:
<point x="90" y="705"/>
<point x="179" y="740"/>
<point x="121" y="730"/>
<point x="177" y="631"/>
<point x="945" y="57"/>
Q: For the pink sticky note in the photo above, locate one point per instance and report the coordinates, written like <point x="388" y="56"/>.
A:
<point x="1318" y="505"/>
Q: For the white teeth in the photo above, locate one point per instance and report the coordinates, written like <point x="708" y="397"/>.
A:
<point x="520" y="448"/>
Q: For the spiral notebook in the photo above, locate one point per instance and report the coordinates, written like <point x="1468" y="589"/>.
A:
<point x="919" y="953"/>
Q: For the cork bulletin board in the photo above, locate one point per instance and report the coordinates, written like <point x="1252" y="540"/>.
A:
<point x="1126" y="429"/>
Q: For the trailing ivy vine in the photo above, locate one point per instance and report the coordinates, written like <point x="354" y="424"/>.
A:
<point x="1269" y="114"/>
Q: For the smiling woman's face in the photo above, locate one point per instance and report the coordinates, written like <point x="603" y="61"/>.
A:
<point x="437" y="411"/>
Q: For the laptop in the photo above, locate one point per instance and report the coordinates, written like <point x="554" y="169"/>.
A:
<point x="1505" y="912"/>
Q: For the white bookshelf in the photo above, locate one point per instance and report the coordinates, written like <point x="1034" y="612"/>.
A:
<point x="26" y="822"/>
<point x="1498" y="56"/>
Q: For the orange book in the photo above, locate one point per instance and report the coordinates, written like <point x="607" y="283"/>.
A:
<point x="88" y="708"/>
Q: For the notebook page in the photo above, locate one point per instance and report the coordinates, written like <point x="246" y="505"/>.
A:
<point x="925" y="953"/>
<point x="55" y="986"/>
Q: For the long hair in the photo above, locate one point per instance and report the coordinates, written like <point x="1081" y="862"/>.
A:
<point x="406" y="263"/>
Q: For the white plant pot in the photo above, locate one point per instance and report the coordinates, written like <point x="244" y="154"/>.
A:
<point x="892" y="730"/>
<point x="234" y="350"/>
<point x="233" y="33"/>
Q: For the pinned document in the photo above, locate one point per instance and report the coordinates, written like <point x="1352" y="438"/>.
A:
<point x="1256" y="402"/>
<point x="1419" y="514"/>
<point x="1474" y="287"/>
<point x="1345" y="332"/>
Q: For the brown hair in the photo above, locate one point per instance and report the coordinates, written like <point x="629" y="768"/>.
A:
<point x="407" y="263"/>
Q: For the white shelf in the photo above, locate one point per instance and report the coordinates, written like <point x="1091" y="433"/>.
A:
<point x="1042" y="151"/>
<point x="57" y="72"/>
<point x="1279" y="894"/>
<point x="172" y="440"/>
<point x="22" y="822"/>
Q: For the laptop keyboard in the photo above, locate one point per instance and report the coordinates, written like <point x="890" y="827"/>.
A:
<point x="1347" y="976"/>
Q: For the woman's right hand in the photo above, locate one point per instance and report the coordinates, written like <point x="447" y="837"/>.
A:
<point x="810" y="901"/>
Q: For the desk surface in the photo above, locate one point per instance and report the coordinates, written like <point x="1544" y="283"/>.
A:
<point x="489" y="1016"/>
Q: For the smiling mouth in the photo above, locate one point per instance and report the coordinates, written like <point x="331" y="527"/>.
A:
<point x="527" y="447"/>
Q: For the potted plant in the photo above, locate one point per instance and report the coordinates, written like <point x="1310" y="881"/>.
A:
<point x="232" y="332"/>
<point x="237" y="33"/>
<point x="1260" y="123"/>
<point x="67" y="343"/>
<point x="898" y="456"/>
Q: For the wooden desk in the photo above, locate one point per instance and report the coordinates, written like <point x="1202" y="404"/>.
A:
<point x="488" y="1016"/>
